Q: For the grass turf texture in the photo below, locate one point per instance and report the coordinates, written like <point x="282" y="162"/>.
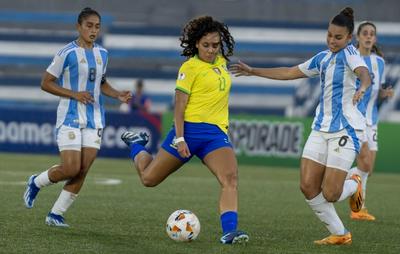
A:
<point x="129" y="218"/>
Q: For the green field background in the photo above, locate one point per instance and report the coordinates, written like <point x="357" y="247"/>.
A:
<point x="388" y="157"/>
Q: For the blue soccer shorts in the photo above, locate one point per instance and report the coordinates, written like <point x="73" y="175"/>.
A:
<point x="201" y="138"/>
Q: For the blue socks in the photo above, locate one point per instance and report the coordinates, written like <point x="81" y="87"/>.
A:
<point x="229" y="221"/>
<point x="135" y="149"/>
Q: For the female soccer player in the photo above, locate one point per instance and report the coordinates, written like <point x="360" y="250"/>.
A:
<point x="334" y="141"/>
<point x="373" y="57"/>
<point x="201" y="120"/>
<point x="80" y="69"/>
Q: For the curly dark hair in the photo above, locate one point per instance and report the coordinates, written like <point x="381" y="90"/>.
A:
<point x="199" y="27"/>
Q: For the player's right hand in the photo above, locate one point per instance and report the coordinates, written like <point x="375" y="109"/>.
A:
<point x="84" y="97"/>
<point x="183" y="149"/>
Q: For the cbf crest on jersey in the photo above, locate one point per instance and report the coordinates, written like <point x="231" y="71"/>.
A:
<point x="181" y="76"/>
<point x="216" y="69"/>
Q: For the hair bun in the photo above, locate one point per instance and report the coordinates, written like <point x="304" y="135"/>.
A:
<point x="86" y="9"/>
<point x="348" y="11"/>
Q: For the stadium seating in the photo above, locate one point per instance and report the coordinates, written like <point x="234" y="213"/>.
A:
<point x="152" y="53"/>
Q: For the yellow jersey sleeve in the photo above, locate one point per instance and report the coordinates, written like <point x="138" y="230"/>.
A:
<point x="186" y="77"/>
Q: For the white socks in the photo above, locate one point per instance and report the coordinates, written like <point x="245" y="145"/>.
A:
<point x="349" y="188"/>
<point x="364" y="179"/>
<point x="63" y="202"/>
<point x="326" y="212"/>
<point x="43" y="180"/>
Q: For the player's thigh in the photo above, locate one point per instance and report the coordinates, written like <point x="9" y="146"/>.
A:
<point x="332" y="185"/>
<point x="70" y="162"/>
<point x="161" y="167"/>
<point x="316" y="147"/>
<point x="364" y="157"/>
<point x="223" y="164"/>
<point x="311" y="177"/>
<point x="88" y="155"/>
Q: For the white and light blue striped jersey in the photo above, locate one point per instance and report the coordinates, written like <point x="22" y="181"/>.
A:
<point x="80" y="69"/>
<point x="335" y="110"/>
<point x="369" y="104"/>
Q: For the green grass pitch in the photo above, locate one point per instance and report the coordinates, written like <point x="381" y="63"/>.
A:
<point x="129" y="218"/>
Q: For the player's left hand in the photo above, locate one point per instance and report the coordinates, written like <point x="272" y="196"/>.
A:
<point x="183" y="149"/>
<point x="125" y="96"/>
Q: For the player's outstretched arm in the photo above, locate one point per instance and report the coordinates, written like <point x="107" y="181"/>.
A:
<point x="279" y="73"/>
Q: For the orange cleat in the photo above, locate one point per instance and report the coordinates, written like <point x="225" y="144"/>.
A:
<point x="362" y="215"/>
<point x="335" y="240"/>
<point x="356" y="200"/>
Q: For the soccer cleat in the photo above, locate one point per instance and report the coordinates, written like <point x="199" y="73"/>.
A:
<point x="131" y="138"/>
<point x="234" y="237"/>
<point x="335" y="240"/>
<point x="363" y="214"/>
<point x="56" y="220"/>
<point x="31" y="192"/>
<point x="356" y="200"/>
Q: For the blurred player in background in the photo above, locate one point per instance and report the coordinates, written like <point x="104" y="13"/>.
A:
<point x="373" y="57"/>
<point x="139" y="102"/>
<point x="335" y="137"/>
<point x="80" y="69"/>
<point x="201" y="121"/>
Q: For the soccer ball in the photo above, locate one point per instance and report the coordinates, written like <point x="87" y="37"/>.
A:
<point x="183" y="226"/>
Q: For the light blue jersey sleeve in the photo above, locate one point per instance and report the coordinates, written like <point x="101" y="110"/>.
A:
<point x="311" y="68"/>
<point x="353" y="58"/>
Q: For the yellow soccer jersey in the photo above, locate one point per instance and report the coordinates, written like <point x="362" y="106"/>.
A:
<point x="208" y="88"/>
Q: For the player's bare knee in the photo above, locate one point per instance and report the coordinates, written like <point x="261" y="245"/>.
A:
<point x="331" y="195"/>
<point x="229" y="180"/>
<point x="149" y="182"/>
<point x="71" y="170"/>
<point x="309" y="190"/>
